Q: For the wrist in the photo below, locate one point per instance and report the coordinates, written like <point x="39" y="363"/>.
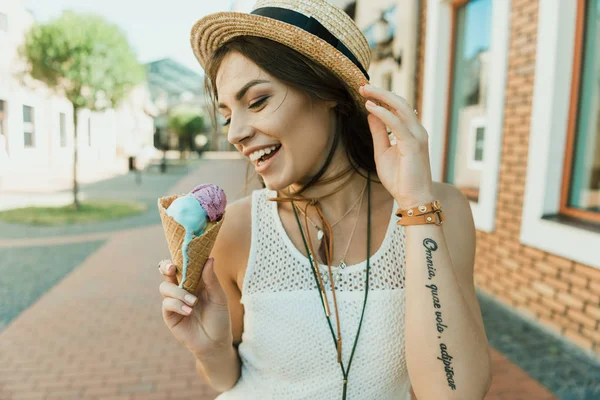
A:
<point x="404" y="203"/>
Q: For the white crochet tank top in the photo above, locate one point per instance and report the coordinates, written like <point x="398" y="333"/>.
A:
<point x="287" y="350"/>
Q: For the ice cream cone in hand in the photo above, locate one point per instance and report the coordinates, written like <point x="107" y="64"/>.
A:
<point x="191" y="223"/>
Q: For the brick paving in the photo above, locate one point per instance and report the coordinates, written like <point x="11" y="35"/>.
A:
<point x="98" y="333"/>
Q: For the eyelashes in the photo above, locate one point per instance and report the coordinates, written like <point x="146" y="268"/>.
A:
<point x="253" y="106"/>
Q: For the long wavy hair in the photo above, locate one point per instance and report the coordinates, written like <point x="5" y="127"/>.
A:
<point x="318" y="82"/>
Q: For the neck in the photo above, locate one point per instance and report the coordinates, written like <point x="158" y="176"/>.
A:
<point x="336" y="204"/>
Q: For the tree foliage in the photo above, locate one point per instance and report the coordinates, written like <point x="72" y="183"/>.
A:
<point x="186" y="124"/>
<point x="83" y="57"/>
<point x="86" y="59"/>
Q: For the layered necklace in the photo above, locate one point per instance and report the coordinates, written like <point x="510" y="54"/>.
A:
<point x="327" y="235"/>
<point x="320" y="234"/>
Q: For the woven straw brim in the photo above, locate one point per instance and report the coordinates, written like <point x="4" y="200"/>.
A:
<point x="212" y="31"/>
<point x="198" y="250"/>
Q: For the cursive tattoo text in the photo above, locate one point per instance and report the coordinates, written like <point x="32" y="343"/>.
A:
<point x="446" y="359"/>
<point x="430" y="245"/>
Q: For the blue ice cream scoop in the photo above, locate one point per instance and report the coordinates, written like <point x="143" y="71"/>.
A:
<point x="188" y="212"/>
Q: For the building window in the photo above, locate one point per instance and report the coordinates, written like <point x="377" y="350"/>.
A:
<point x="476" y="143"/>
<point x="28" y="126"/>
<point x="89" y="131"/>
<point x="470" y="54"/>
<point x="580" y="195"/>
<point x="388" y="81"/>
<point x="2" y="117"/>
<point x="63" y="129"/>
<point x="3" y="22"/>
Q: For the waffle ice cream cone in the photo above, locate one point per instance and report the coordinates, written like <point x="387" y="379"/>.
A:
<point x="198" y="250"/>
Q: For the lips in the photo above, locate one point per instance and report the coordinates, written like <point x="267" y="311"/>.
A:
<point x="267" y="156"/>
<point x="264" y="163"/>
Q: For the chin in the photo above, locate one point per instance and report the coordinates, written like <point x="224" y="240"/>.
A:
<point x="279" y="179"/>
<point x="276" y="182"/>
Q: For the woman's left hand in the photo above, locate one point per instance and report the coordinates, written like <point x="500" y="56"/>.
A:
<point x="403" y="168"/>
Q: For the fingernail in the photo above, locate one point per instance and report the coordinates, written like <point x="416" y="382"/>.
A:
<point x="170" y="268"/>
<point x="371" y="104"/>
<point x="190" y="299"/>
<point x="186" y="309"/>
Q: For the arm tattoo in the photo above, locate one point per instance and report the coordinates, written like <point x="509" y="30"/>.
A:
<point x="446" y="359"/>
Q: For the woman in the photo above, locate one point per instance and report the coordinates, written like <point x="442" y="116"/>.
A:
<point x="315" y="288"/>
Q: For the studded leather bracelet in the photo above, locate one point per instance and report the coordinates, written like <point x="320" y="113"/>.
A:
<point x="430" y="213"/>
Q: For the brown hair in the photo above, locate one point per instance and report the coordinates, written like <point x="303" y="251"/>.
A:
<point x="311" y="78"/>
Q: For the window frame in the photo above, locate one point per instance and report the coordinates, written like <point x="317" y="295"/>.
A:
<point x="542" y="226"/>
<point x="471" y="194"/>
<point x="576" y="81"/>
<point x="434" y="113"/>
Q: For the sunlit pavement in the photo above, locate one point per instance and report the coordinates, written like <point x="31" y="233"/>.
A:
<point x="88" y="323"/>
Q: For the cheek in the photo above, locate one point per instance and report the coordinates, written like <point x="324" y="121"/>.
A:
<point x="307" y="150"/>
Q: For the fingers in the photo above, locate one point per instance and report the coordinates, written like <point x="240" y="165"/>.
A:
<point x="385" y="98"/>
<point x="381" y="139"/>
<point x="176" y="306"/>
<point x="171" y="290"/>
<point x="390" y="107"/>
<point x="401" y="132"/>
<point x="168" y="270"/>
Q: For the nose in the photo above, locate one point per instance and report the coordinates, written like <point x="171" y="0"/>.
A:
<point x="239" y="132"/>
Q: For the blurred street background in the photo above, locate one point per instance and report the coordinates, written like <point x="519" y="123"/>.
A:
<point x="509" y="91"/>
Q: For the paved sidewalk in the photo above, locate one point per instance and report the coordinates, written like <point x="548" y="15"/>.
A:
<point x="98" y="333"/>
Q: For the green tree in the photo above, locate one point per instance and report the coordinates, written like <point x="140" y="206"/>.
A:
<point x="186" y="126"/>
<point x="86" y="59"/>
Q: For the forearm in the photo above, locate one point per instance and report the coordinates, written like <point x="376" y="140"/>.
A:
<point x="221" y="369"/>
<point x="447" y="357"/>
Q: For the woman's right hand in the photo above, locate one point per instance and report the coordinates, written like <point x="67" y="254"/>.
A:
<point x="201" y="323"/>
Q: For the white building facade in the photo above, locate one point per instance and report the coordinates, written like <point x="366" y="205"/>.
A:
<point x="36" y="125"/>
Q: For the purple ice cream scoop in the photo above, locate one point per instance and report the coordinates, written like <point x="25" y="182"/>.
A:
<point x="212" y="198"/>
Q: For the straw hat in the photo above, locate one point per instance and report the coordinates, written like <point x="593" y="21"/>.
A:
<point x="314" y="28"/>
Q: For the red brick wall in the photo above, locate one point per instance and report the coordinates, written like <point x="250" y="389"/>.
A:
<point x="559" y="293"/>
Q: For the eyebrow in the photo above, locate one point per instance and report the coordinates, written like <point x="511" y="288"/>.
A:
<point x="243" y="90"/>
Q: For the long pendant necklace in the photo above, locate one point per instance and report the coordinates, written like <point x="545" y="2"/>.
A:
<point x="338" y="342"/>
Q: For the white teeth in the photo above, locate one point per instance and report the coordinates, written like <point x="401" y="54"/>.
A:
<point x="259" y="153"/>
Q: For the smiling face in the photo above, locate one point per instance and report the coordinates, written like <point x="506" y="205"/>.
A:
<point x="283" y="132"/>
